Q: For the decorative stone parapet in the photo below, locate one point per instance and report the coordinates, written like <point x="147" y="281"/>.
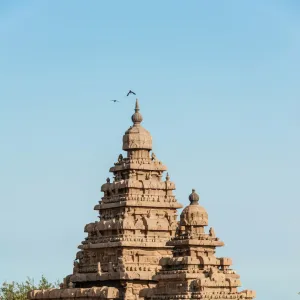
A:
<point x="94" y="293"/>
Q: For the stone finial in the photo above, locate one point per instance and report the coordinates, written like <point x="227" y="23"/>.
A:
<point x="137" y="118"/>
<point x="194" y="198"/>
<point x="137" y="137"/>
<point x="108" y="180"/>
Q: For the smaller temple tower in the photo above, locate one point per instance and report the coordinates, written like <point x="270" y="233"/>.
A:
<point x="194" y="272"/>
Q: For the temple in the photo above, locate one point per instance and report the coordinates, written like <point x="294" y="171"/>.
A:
<point x="138" y="249"/>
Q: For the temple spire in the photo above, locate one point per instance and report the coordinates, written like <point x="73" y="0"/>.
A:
<point x="137" y="118"/>
<point x="137" y="106"/>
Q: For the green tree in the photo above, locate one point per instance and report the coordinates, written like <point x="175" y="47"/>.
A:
<point x="18" y="291"/>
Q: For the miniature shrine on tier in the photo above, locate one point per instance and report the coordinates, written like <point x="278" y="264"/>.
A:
<point x="138" y="249"/>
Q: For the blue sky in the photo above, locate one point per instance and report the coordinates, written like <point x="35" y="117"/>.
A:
<point x="218" y="84"/>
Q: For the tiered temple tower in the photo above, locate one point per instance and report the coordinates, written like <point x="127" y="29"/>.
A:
<point x="138" y="250"/>
<point x="137" y="218"/>
<point x="194" y="272"/>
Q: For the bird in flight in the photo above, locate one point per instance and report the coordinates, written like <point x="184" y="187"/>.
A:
<point x="131" y="92"/>
<point x="115" y="101"/>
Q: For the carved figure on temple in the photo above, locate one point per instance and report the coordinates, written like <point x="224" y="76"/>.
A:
<point x="121" y="264"/>
<point x="89" y="227"/>
<point x="76" y="267"/>
<point x="139" y="224"/>
<point x="79" y="255"/>
<point x="167" y="177"/>
<point x="173" y="224"/>
<point x="210" y="273"/>
<point x="99" y="269"/>
<point x="120" y="158"/>
<point x="153" y="156"/>
<point x="212" y="232"/>
<point x="132" y="174"/>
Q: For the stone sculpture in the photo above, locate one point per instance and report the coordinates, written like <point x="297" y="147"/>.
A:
<point x="120" y="160"/>
<point x="212" y="232"/>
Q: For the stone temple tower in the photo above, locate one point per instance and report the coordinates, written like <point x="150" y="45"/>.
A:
<point x="194" y="272"/>
<point x="137" y="218"/>
<point x="138" y="250"/>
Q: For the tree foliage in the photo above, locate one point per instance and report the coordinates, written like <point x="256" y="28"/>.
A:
<point x="18" y="291"/>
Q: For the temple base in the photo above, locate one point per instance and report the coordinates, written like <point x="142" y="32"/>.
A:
<point x="94" y="293"/>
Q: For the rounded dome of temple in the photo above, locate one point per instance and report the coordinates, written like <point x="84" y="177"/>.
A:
<point x="137" y="137"/>
<point x="194" y="214"/>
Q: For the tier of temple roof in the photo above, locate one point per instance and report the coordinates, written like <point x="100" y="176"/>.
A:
<point x="136" y="162"/>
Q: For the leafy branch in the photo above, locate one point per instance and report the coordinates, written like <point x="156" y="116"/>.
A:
<point x="18" y="291"/>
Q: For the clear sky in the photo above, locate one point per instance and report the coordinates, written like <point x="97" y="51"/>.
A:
<point x="218" y="84"/>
